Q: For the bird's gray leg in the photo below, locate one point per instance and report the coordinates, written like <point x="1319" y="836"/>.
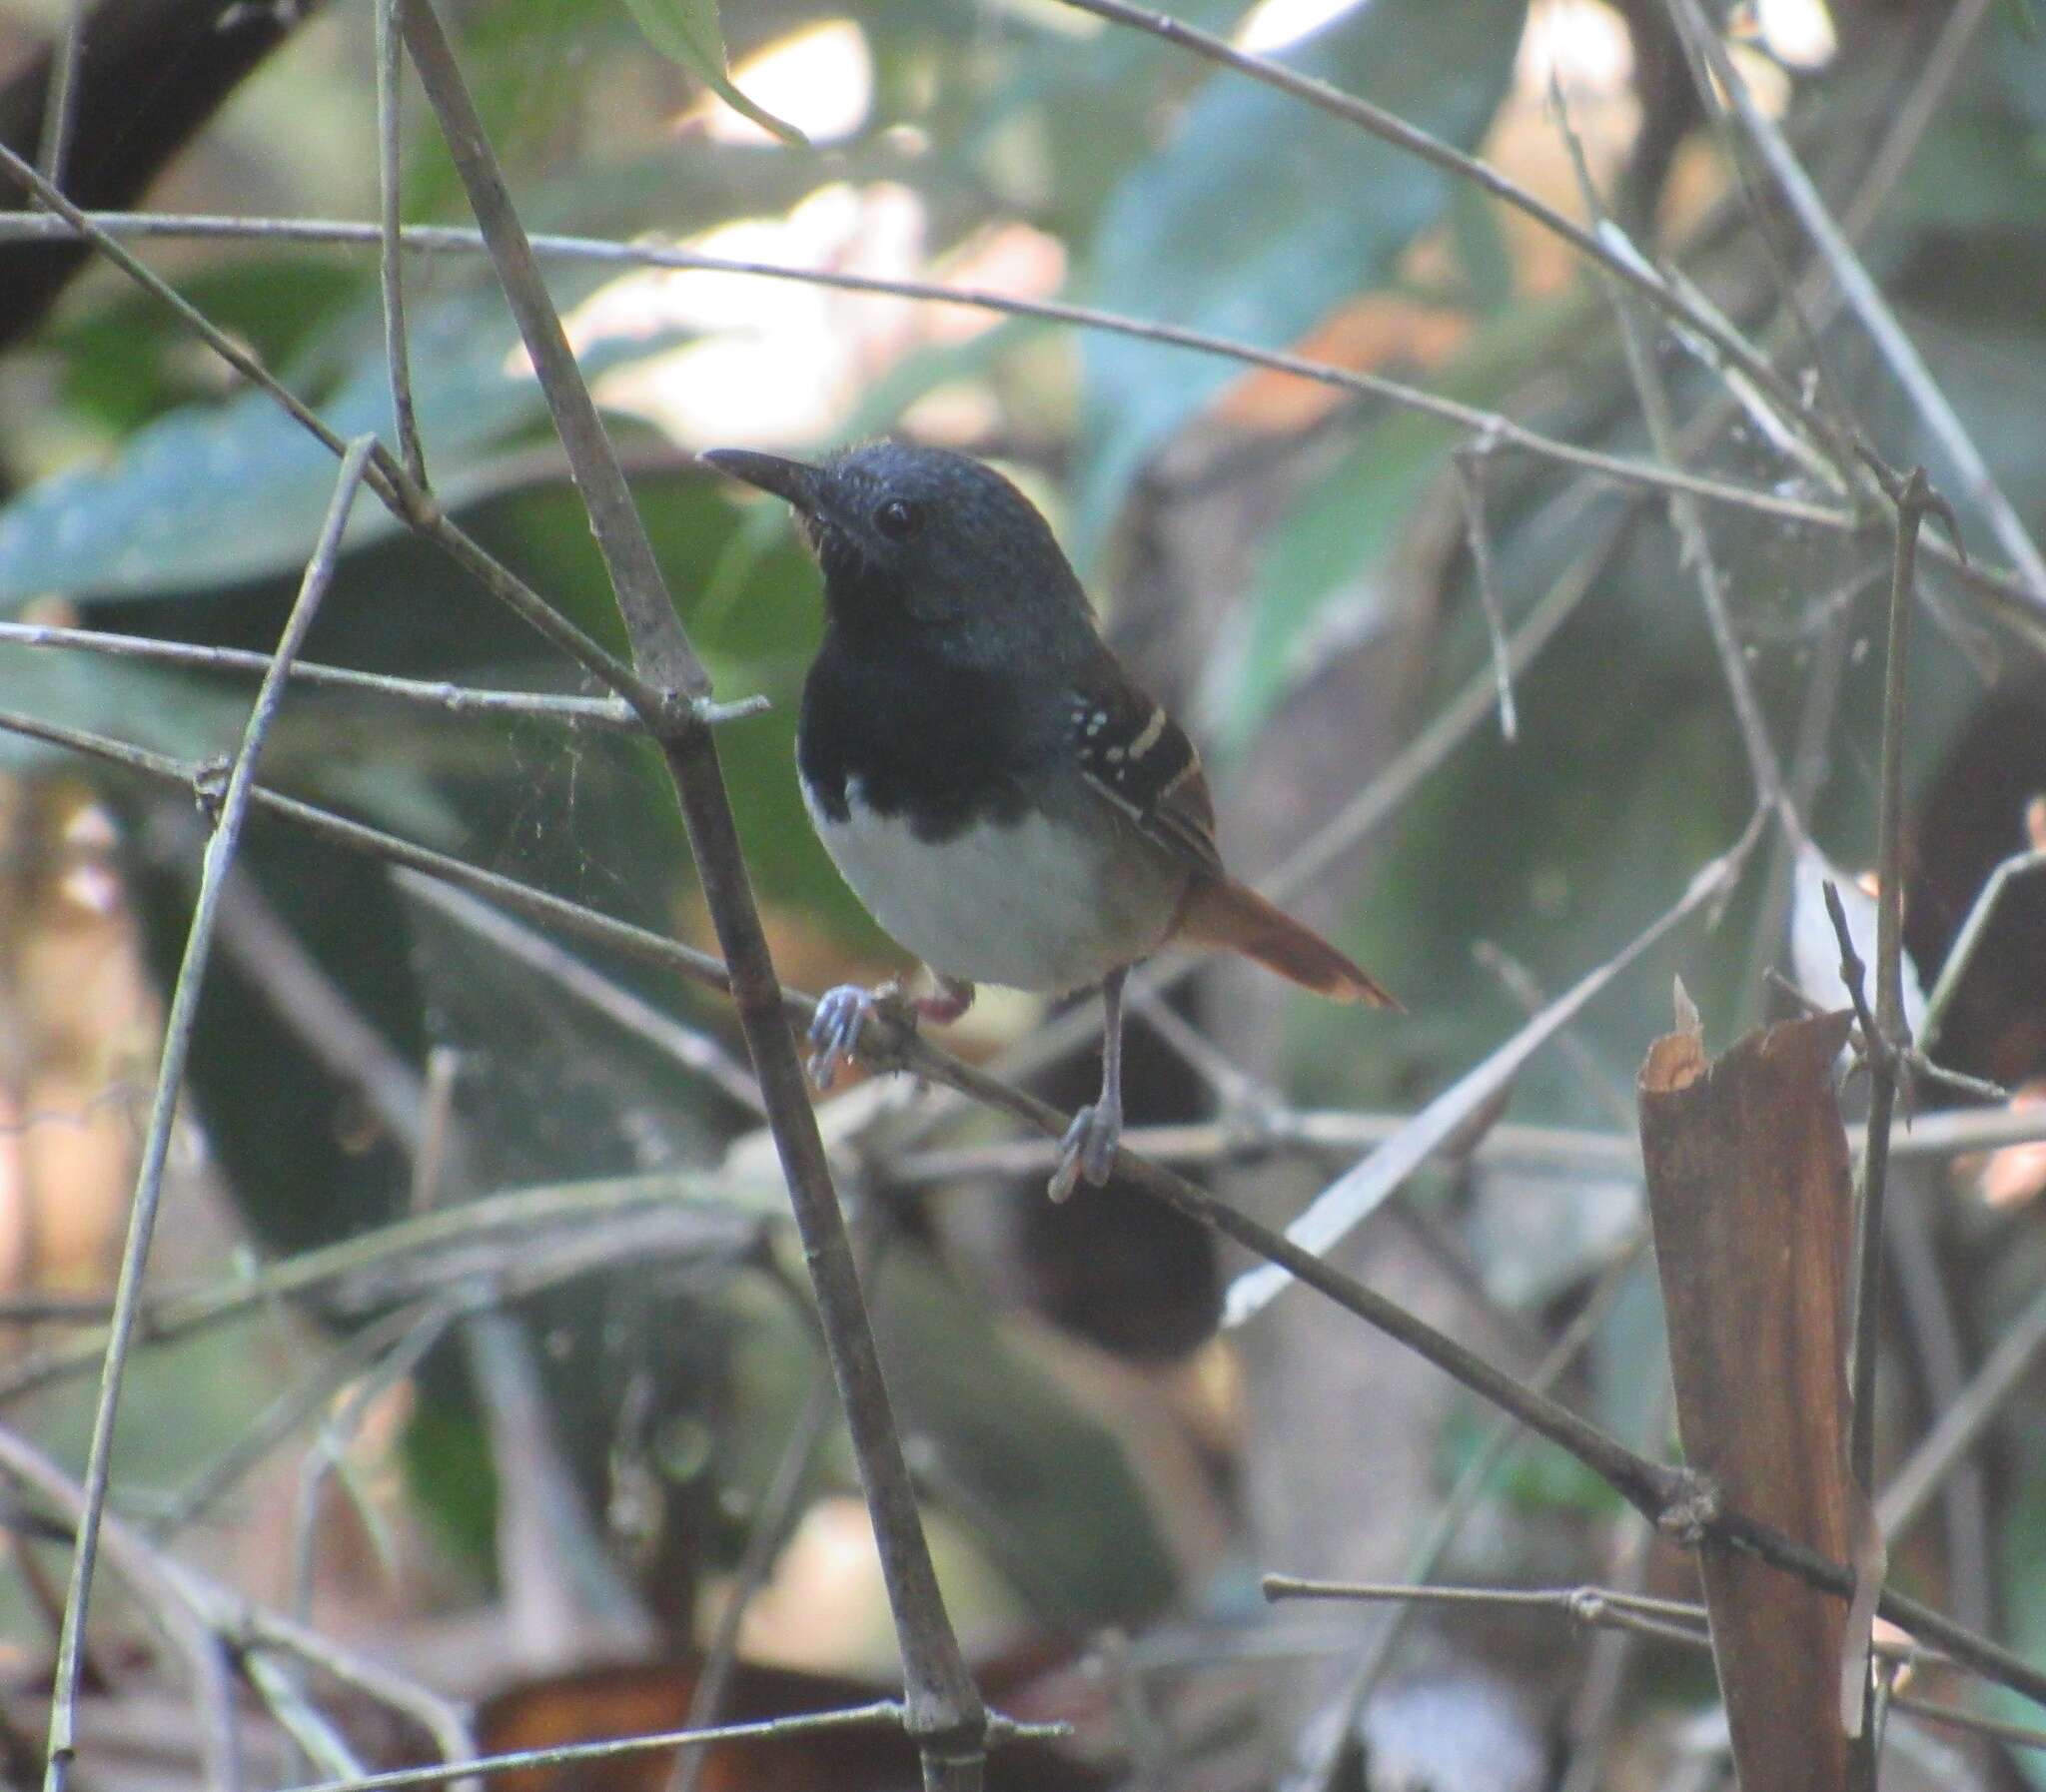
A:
<point x="1089" y="1147"/>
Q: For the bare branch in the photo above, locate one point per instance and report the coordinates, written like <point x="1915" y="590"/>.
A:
<point x="607" y="713"/>
<point x="1962" y="952"/>
<point x="60" y="107"/>
<point x="945" y="1714"/>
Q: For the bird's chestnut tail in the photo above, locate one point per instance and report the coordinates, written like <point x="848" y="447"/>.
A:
<point x="1223" y="912"/>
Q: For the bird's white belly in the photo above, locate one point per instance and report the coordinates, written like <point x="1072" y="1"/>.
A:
<point x="1031" y="906"/>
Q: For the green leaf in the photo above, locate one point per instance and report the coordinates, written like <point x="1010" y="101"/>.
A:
<point x="687" y="32"/>
<point x="1314" y="582"/>
<point x="214" y="495"/>
<point x="1259" y="212"/>
<point x="2022" y="1546"/>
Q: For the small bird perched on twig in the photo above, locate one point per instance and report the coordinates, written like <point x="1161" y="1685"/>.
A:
<point x="1005" y="799"/>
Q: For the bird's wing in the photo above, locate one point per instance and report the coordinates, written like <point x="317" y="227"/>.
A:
<point x="1137" y="757"/>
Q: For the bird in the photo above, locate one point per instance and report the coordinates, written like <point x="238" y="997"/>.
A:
<point x="1004" y="797"/>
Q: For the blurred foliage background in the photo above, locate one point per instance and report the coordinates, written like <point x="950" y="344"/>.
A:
<point x="524" y="1468"/>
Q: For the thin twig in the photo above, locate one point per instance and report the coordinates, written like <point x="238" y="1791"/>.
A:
<point x="280" y="1419"/>
<point x="1926" y="1309"/>
<point x="1909" y="122"/>
<point x="1585" y="1604"/>
<point x="161" y="1593"/>
<point x="59" y="97"/>
<point x="234" y="808"/>
<point x="882" y="1714"/>
<point x="661" y="649"/>
<point x="1680" y="1621"/>
<point x="607" y="713"/>
<point x="1912" y="500"/>
<point x="1711" y="71"/>
<point x="1594" y="1075"/>
<point x="251" y="1627"/>
<point x="1470" y="464"/>
<point x="2011" y="595"/>
<point x="554" y="1232"/>
<point x="1597" y="1707"/>
<point x="327" y="1456"/>
<point x="1246" y="1098"/>
<point x="1954" y="1717"/>
<point x="1961" y="953"/>
<point x="391" y="261"/>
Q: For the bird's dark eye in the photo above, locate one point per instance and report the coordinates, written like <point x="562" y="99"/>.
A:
<point x="898" y="518"/>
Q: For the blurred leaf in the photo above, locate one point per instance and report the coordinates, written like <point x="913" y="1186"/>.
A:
<point x="168" y="713"/>
<point x="1539" y="1476"/>
<point x="1974" y="171"/>
<point x="130" y="359"/>
<point x="2022" y="1549"/>
<point x="218" y="494"/>
<point x="335" y="1169"/>
<point x="1042" y="1486"/>
<point x="1045" y="1485"/>
<point x="1317" y="592"/>
<point x="1261" y="213"/>
<point x="1068" y="110"/>
<point x="687" y="32"/>
<point x="1538" y="1233"/>
<point x="1481" y="243"/>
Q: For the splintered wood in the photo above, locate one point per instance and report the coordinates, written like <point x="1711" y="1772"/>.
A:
<point x="1749" y="1196"/>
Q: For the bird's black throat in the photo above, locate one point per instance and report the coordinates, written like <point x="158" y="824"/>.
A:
<point x="931" y="736"/>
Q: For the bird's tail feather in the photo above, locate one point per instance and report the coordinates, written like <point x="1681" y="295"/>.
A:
<point x="1223" y="912"/>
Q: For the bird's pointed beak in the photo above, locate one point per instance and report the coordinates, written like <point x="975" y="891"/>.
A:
<point x="796" y="480"/>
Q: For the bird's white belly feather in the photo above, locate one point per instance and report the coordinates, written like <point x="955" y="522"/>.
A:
<point x="1032" y="905"/>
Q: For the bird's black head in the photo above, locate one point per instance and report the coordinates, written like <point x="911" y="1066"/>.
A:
<point x="924" y="537"/>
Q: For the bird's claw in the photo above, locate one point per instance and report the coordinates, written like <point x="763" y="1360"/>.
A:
<point x="835" y="1029"/>
<point x="1088" y="1148"/>
<point x="841" y="1019"/>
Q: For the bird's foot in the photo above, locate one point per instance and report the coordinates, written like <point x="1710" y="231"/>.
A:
<point x="1088" y="1148"/>
<point x="844" y="1011"/>
<point x="841" y="1017"/>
